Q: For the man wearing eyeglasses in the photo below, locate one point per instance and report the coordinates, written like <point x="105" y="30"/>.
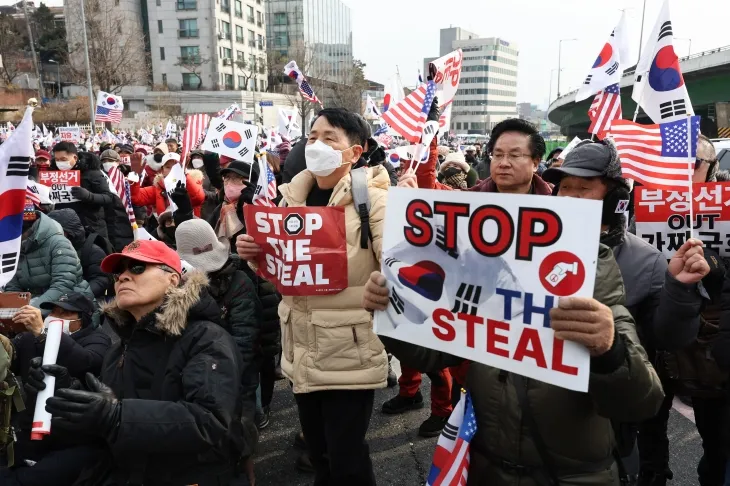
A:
<point x="707" y="168"/>
<point x="516" y="151"/>
<point x="168" y="403"/>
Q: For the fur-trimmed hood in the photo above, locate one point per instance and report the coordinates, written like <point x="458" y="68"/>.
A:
<point x="182" y="305"/>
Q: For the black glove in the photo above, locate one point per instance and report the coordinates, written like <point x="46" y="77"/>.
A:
<point x="81" y="194"/>
<point x="36" y="374"/>
<point x="96" y="411"/>
<point x="124" y="169"/>
<point x="246" y="197"/>
<point x="181" y="198"/>
<point x="434" y="114"/>
<point x="212" y="166"/>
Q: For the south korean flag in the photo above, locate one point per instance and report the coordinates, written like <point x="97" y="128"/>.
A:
<point x="659" y="88"/>
<point x="232" y="139"/>
<point x="453" y="277"/>
<point x="15" y="155"/>
<point x="608" y="66"/>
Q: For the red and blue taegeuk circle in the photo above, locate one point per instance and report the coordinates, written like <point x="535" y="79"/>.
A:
<point x="604" y="56"/>
<point x="394" y="158"/>
<point x="111" y="100"/>
<point x="232" y="139"/>
<point x="664" y="74"/>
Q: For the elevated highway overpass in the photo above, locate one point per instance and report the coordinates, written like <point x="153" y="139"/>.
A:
<point x="707" y="75"/>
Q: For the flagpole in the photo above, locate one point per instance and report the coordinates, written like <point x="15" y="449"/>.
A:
<point x="689" y="173"/>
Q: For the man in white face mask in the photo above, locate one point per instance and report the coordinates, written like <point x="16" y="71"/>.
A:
<point x="334" y="393"/>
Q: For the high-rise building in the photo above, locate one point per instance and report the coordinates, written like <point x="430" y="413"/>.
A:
<point x="198" y="43"/>
<point x="487" y="91"/>
<point x="315" y="33"/>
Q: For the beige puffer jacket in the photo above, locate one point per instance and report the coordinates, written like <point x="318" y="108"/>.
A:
<point x="328" y="341"/>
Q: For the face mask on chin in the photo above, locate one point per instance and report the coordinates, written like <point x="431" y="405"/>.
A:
<point x="322" y="160"/>
<point x="66" y="324"/>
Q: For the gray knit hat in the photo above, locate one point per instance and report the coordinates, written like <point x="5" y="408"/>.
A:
<point x="589" y="159"/>
<point x="198" y="245"/>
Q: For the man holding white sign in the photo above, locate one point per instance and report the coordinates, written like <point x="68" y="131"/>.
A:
<point x="526" y="427"/>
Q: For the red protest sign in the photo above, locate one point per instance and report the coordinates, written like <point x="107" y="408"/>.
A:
<point x="65" y="177"/>
<point x="304" y="249"/>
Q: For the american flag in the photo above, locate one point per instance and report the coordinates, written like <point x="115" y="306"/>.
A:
<point x="264" y="196"/>
<point x="121" y="187"/>
<point x="606" y="108"/>
<point x="293" y="71"/>
<point x="383" y="128"/>
<point x="656" y="155"/>
<point x="408" y="116"/>
<point x="194" y="133"/>
<point x="450" y="465"/>
<point x="31" y="193"/>
<point x="108" y="115"/>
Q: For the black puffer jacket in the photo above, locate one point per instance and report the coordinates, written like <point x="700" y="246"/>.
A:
<point x="91" y="210"/>
<point x="89" y="253"/>
<point x="117" y="224"/>
<point x="270" y="332"/>
<point x="240" y="307"/>
<point x="178" y="375"/>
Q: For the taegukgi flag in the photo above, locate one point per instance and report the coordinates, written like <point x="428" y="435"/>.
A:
<point x="232" y="139"/>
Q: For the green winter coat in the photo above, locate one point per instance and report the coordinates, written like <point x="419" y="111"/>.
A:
<point x="49" y="266"/>
<point x="576" y="427"/>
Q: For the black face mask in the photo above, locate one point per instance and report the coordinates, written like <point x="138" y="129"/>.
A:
<point x="158" y="158"/>
<point x="615" y="204"/>
<point x="169" y="232"/>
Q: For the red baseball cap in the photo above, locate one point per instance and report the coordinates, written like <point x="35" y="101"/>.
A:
<point x="144" y="251"/>
<point x="42" y="154"/>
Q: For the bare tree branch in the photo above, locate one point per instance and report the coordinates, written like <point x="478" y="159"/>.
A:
<point x="194" y="64"/>
<point x="11" y="49"/>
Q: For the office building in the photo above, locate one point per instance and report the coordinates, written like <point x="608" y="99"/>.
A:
<point x="316" y="33"/>
<point x="195" y="44"/>
<point x="487" y="91"/>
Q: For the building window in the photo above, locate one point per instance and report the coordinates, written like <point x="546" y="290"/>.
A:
<point x="261" y="42"/>
<point x="251" y="38"/>
<point x="162" y="53"/>
<point x="239" y="34"/>
<point x="280" y="18"/>
<point x="164" y="79"/>
<point x="159" y="26"/>
<point x="281" y="39"/>
<point x="188" y="28"/>
<point x="229" y="81"/>
<point x="249" y="17"/>
<point x="241" y="83"/>
<point x="262" y="85"/>
<point x="226" y="30"/>
<point x="238" y="9"/>
<point x="240" y="56"/>
<point x="190" y="81"/>
<point x="225" y="53"/>
<point x="187" y="4"/>
<point x="190" y="53"/>
<point x="159" y="3"/>
<point x="225" y="6"/>
<point x="259" y="19"/>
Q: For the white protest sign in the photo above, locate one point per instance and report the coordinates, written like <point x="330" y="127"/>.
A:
<point x="446" y="72"/>
<point x="70" y="134"/>
<point x="475" y="275"/>
<point x="177" y="174"/>
<point x="60" y="183"/>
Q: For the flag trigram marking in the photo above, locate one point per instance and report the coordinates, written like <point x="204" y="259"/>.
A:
<point x="467" y="298"/>
<point x="397" y="302"/>
<point x="18" y="166"/>
<point x="665" y="30"/>
<point x="441" y="243"/>
<point x="8" y="262"/>
<point x="672" y="108"/>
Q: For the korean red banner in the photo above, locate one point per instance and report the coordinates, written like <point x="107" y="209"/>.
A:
<point x="663" y="220"/>
<point x="476" y="275"/>
<point x="304" y="249"/>
<point x="60" y="182"/>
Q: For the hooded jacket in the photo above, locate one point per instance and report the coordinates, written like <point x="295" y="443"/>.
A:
<point x="240" y="310"/>
<point x="576" y="427"/>
<point x="156" y="196"/>
<point x="98" y="281"/>
<point x="328" y="341"/>
<point x="48" y="266"/>
<point x="178" y="375"/>
<point x="91" y="211"/>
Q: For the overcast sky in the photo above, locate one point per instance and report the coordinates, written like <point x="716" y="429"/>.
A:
<point x="390" y="33"/>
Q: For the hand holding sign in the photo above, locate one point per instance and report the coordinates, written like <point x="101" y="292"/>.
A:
<point x="246" y="248"/>
<point x="585" y="321"/>
<point x="408" y="179"/>
<point x="375" y="297"/>
<point x="688" y="265"/>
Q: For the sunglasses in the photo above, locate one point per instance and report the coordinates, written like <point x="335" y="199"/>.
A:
<point x="136" y="268"/>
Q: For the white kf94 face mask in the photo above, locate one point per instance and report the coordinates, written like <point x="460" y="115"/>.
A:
<point x="322" y="160"/>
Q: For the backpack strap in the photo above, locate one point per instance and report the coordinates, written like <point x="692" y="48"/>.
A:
<point x="361" y="199"/>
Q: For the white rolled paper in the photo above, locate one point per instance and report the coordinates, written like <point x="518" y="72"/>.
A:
<point x="41" y="418"/>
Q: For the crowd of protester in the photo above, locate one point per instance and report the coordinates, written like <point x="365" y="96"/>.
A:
<point x="172" y="346"/>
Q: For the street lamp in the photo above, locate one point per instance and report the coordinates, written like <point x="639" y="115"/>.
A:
<point x="58" y="76"/>
<point x="560" y="51"/>
<point x="550" y="93"/>
<point x="689" y="51"/>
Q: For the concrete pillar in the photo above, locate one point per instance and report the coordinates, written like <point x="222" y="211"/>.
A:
<point x="722" y="114"/>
